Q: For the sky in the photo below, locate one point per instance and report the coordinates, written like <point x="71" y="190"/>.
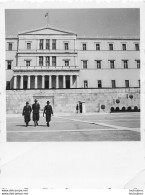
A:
<point x="85" y="22"/>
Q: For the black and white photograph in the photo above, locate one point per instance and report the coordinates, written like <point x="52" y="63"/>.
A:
<point x="72" y="96"/>
<point x="77" y="84"/>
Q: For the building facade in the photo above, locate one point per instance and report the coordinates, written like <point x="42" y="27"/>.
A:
<point x="50" y="58"/>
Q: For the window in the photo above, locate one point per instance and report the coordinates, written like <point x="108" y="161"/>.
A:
<point x="98" y="64"/>
<point x="28" y="45"/>
<point x="138" y="63"/>
<point x="8" y="85"/>
<point x="54" y="44"/>
<point x="47" y="44"/>
<point x="112" y="64"/>
<point x="10" y="45"/>
<point x="40" y="60"/>
<point x="85" y="84"/>
<point x="41" y="44"/>
<point x="27" y="62"/>
<point x="113" y="84"/>
<point x="47" y="61"/>
<point x="66" y="46"/>
<point x="53" y="60"/>
<point x="126" y="83"/>
<point x="84" y="64"/>
<point x="139" y="83"/>
<point x="111" y="46"/>
<point x="66" y="62"/>
<point x="136" y="46"/>
<point x="84" y="46"/>
<point x="9" y="65"/>
<point x="99" y="84"/>
<point x="125" y="62"/>
<point x="123" y="46"/>
<point x="97" y="46"/>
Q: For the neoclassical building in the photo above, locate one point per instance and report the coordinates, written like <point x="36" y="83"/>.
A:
<point x="51" y="58"/>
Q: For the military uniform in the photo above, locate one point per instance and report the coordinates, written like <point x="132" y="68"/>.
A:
<point x="48" y="111"/>
<point x="35" y="108"/>
<point x="27" y="114"/>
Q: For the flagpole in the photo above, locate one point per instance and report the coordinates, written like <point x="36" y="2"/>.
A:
<point x="47" y="18"/>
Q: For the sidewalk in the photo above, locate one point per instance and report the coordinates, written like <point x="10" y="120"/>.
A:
<point x="76" y="114"/>
<point x="63" y="114"/>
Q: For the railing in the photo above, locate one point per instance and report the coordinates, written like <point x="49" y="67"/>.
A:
<point x="46" y="68"/>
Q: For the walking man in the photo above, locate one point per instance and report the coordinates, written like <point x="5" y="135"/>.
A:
<point x="36" y="108"/>
<point x="48" y="111"/>
<point x="27" y="113"/>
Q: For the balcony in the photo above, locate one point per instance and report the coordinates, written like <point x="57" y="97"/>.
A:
<point x="43" y="68"/>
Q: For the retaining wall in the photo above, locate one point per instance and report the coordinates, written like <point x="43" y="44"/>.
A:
<point x="65" y="100"/>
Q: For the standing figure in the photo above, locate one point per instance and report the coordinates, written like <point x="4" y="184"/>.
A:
<point x="27" y="113"/>
<point x="48" y="111"/>
<point x="77" y="108"/>
<point x="35" y="108"/>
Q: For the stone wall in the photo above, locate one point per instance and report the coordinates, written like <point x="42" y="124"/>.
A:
<point x="65" y="100"/>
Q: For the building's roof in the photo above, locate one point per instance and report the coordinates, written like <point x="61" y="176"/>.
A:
<point x="11" y="37"/>
<point x="108" y="38"/>
<point x="47" y="27"/>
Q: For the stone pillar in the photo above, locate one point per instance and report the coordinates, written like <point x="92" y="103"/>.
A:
<point x="43" y="81"/>
<point x="57" y="81"/>
<point x="77" y="79"/>
<point x="15" y="82"/>
<point x="44" y="44"/>
<point x="50" y="81"/>
<point x="71" y="81"/>
<point x="75" y="61"/>
<point x="21" y="82"/>
<point x="36" y="81"/>
<point x="28" y="81"/>
<point x="50" y="61"/>
<point x="64" y="81"/>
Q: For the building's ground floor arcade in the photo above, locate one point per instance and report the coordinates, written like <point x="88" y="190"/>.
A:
<point x="45" y="81"/>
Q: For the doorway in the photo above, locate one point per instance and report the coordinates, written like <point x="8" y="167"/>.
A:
<point x="46" y="84"/>
<point x="25" y="85"/>
<point x="67" y="84"/>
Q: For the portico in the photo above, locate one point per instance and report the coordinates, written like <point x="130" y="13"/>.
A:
<point x="46" y="81"/>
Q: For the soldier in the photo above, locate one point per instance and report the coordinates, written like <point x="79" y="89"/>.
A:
<point x="35" y="108"/>
<point x="48" y="111"/>
<point x="27" y="113"/>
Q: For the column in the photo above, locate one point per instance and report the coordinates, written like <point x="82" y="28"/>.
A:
<point x="71" y="81"/>
<point x="15" y="81"/>
<point x="75" y="61"/>
<point x="77" y="79"/>
<point x="57" y="82"/>
<point x="64" y="81"/>
<point x="43" y="81"/>
<point x="28" y="81"/>
<point x="50" y="60"/>
<point x="22" y="77"/>
<point x="50" y="83"/>
<point x="36" y="81"/>
<point x="44" y="44"/>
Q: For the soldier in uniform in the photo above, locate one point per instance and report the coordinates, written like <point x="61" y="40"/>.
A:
<point x="36" y="108"/>
<point x="27" y="113"/>
<point x="48" y="111"/>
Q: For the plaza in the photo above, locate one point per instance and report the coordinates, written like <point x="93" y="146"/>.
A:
<point x="76" y="127"/>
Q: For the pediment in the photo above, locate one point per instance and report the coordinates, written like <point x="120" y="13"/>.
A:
<point x="47" y="31"/>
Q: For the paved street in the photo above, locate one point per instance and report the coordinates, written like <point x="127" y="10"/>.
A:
<point x="91" y="127"/>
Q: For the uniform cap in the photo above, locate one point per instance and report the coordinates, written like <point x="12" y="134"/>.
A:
<point x="35" y="100"/>
<point x="48" y="102"/>
<point x="27" y="102"/>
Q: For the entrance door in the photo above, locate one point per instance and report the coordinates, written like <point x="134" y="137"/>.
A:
<point x="67" y="84"/>
<point x="46" y="84"/>
<point x="25" y="85"/>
